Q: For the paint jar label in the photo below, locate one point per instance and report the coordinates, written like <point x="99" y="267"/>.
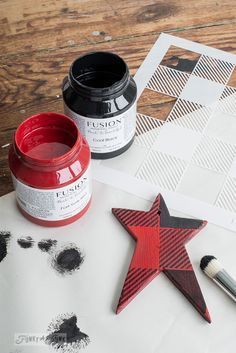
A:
<point x="108" y="134"/>
<point x="54" y="204"/>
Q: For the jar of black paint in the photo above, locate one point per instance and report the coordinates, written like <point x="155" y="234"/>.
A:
<point x="100" y="96"/>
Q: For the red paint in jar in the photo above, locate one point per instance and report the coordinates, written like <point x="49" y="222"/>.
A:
<point x="49" y="160"/>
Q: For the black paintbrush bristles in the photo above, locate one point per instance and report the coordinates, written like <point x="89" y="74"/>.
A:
<point x="205" y="261"/>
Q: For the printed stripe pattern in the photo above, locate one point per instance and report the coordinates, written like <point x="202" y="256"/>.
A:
<point x="139" y="218"/>
<point x="168" y="81"/>
<point x="158" y="249"/>
<point x="173" y="254"/>
<point x="190" y="115"/>
<point x="147" y="129"/>
<point x="187" y="283"/>
<point x="136" y="280"/>
<point x="227" y="196"/>
<point x="214" y="154"/>
<point x="162" y="169"/>
<point x="227" y="102"/>
<point x="213" y="69"/>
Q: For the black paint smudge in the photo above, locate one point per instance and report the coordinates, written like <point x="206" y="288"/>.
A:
<point x="26" y="242"/>
<point x="67" y="260"/>
<point x="4" y="237"/>
<point x="46" y="244"/>
<point x="185" y="65"/>
<point x="64" y="334"/>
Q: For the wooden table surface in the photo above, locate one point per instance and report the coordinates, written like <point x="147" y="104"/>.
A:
<point x="40" y="39"/>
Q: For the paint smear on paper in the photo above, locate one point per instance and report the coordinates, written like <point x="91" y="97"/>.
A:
<point x="4" y="238"/>
<point x="46" y="245"/>
<point x="67" y="260"/>
<point x="26" y="242"/>
<point x="65" y="335"/>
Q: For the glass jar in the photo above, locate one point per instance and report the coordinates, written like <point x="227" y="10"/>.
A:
<point x="49" y="160"/>
<point x="100" y="96"/>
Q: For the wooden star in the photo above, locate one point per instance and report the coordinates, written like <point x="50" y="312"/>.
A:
<point x="160" y="248"/>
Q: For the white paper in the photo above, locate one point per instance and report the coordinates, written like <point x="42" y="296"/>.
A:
<point x="159" y="319"/>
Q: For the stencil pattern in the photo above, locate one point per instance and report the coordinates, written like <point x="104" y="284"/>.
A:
<point x="147" y="130"/>
<point x="227" y="197"/>
<point x="162" y="169"/>
<point x="213" y="69"/>
<point x="227" y="101"/>
<point x="168" y="81"/>
<point x="190" y="115"/>
<point x="214" y="154"/>
<point x="186" y="126"/>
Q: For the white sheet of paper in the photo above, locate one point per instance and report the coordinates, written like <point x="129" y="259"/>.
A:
<point x="159" y="319"/>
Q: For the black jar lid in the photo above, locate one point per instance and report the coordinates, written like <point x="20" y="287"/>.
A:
<point x="99" y="74"/>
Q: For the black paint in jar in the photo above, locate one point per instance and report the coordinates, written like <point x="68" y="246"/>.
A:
<point x="100" y="96"/>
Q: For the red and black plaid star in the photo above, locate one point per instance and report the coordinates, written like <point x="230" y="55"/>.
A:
<point x="160" y="248"/>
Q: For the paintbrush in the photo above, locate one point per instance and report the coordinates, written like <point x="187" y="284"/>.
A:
<point x="213" y="269"/>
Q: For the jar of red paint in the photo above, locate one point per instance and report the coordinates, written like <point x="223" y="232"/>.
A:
<point x="49" y="160"/>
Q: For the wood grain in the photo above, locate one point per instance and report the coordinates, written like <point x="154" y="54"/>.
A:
<point x="49" y="24"/>
<point x="39" y="40"/>
<point x="155" y="104"/>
